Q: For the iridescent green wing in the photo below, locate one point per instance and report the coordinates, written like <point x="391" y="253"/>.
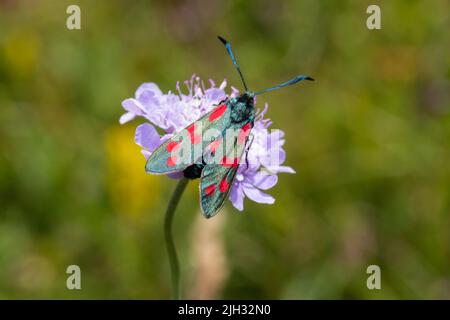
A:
<point x="187" y="146"/>
<point x="218" y="177"/>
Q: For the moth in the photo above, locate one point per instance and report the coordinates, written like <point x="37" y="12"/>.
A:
<point x="212" y="147"/>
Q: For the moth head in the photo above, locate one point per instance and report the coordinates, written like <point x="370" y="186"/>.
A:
<point x="248" y="98"/>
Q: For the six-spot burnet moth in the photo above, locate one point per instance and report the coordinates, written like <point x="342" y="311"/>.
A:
<point x="211" y="148"/>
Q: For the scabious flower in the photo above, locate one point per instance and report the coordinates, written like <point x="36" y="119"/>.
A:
<point x="173" y="112"/>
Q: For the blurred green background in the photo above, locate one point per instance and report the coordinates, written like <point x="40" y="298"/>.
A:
<point x="369" y="141"/>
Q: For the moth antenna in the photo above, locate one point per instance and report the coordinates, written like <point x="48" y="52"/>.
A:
<point x="285" y="84"/>
<point x="230" y="52"/>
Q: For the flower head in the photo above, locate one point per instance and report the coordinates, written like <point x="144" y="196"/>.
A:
<point x="173" y="112"/>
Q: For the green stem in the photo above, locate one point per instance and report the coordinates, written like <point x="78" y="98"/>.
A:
<point x="170" y="244"/>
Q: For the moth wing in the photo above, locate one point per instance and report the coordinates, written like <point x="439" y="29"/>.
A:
<point x="186" y="147"/>
<point x="217" y="178"/>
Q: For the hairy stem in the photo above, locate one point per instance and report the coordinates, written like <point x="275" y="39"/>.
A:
<point x="170" y="244"/>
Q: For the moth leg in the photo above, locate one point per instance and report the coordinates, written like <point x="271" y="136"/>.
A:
<point x="248" y="148"/>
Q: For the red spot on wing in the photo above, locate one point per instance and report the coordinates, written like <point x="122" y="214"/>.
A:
<point x="171" y="161"/>
<point x="172" y="145"/>
<point x="244" y="132"/>
<point x="209" y="191"/>
<point x="223" y="186"/>
<point x="195" y="138"/>
<point x="218" y="112"/>
<point x="230" y="162"/>
<point x="191" y="129"/>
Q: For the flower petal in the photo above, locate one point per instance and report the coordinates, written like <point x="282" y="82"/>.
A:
<point x="215" y="95"/>
<point x="146" y="153"/>
<point x="147" y="89"/>
<point x="147" y="137"/>
<point x="237" y="196"/>
<point x="257" y="195"/>
<point x="263" y="180"/>
<point x="281" y="169"/>
<point x="166" y="137"/>
<point x="239" y="177"/>
<point x="274" y="157"/>
<point x="126" y="117"/>
<point x="134" y="106"/>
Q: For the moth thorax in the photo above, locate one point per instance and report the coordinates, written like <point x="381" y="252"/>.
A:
<point x="193" y="171"/>
<point x="241" y="111"/>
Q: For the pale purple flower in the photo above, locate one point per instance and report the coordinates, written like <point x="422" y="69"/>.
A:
<point x="172" y="112"/>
